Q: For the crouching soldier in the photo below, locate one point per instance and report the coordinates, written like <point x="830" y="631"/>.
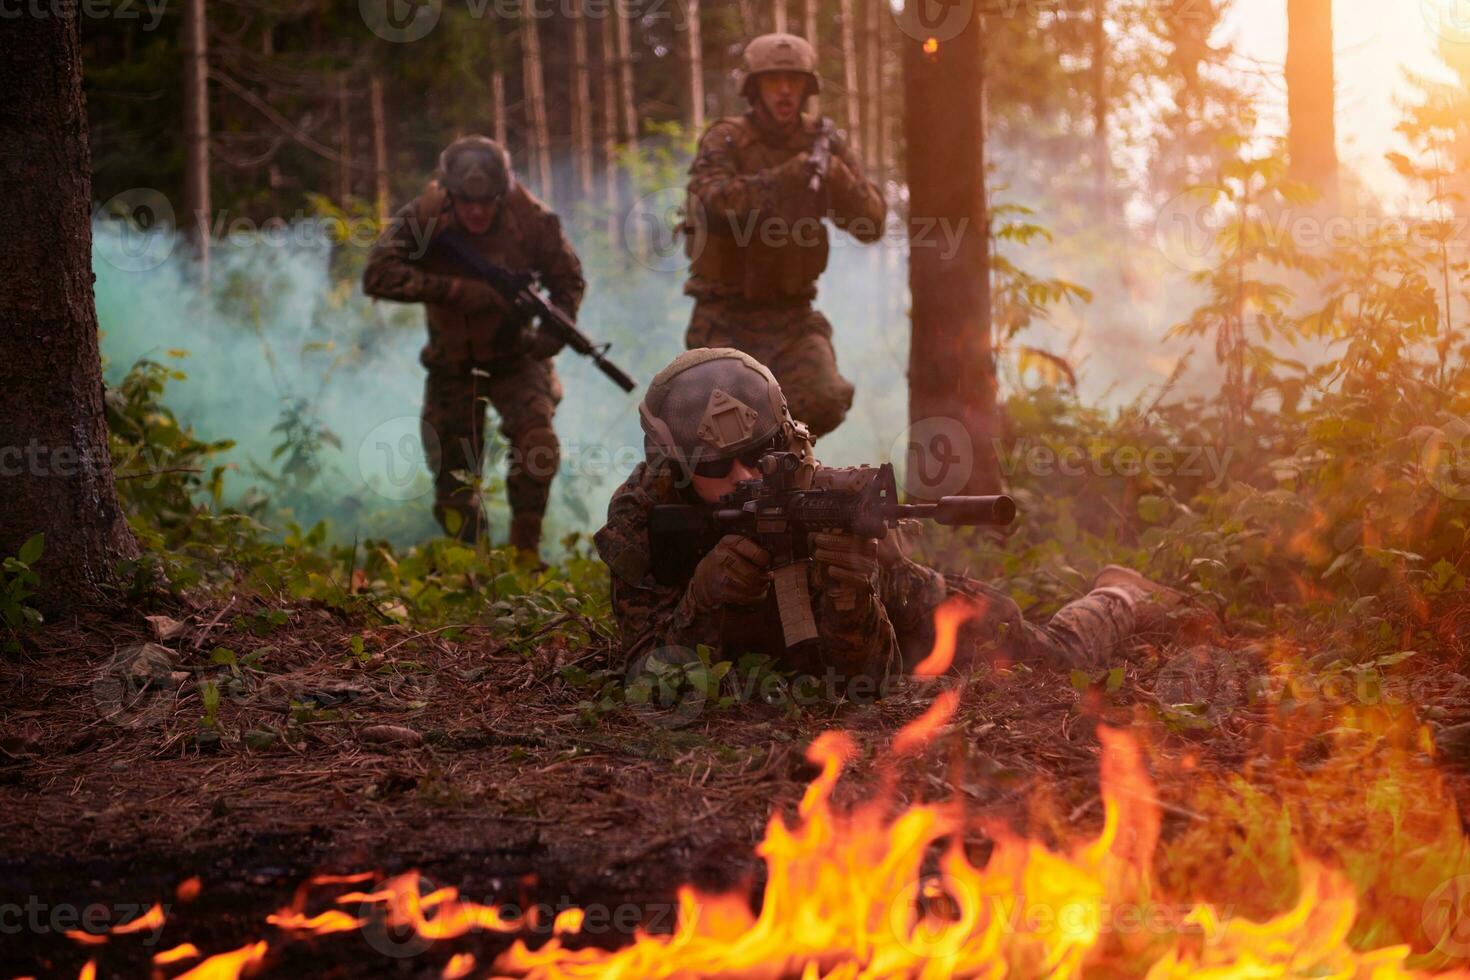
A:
<point x="708" y="418"/>
<point x="480" y="348"/>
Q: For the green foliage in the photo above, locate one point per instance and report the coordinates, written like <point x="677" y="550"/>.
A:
<point x="18" y="582"/>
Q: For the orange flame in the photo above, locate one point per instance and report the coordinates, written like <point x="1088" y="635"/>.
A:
<point x="181" y="952"/>
<point x="459" y="965"/>
<point x="228" y="966"/>
<point x="953" y="613"/>
<point x="188" y="889"/>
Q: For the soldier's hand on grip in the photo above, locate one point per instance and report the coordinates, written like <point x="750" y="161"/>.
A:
<point x="733" y="573"/>
<point x="845" y="558"/>
<point x="792" y="176"/>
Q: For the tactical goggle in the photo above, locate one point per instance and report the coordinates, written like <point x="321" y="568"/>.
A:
<point x="718" y="469"/>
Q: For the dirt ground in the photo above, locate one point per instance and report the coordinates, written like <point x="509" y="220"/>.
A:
<point x="486" y="777"/>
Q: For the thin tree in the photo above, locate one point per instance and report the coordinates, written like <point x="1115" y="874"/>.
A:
<point x="696" y="66"/>
<point x="850" y="78"/>
<point x="625" y="78"/>
<point x="951" y="357"/>
<point x="536" y="102"/>
<point x="196" y="130"/>
<point x="1311" y="145"/>
<point x="1101" y="153"/>
<point x="344" y="142"/>
<point x="872" y="90"/>
<point x="497" y="104"/>
<point x="581" y="103"/>
<point x="382" y="201"/>
<point x="610" y="124"/>
<point x="54" y="464"/>
<point x="778" y="16"/>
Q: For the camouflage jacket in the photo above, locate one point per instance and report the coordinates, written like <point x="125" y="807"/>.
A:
<point x="526" y="236"/>
<point x="754" y="229"/>
<point x="870" y="641"/>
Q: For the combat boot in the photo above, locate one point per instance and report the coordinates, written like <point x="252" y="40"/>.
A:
<point x="525" y="538"/>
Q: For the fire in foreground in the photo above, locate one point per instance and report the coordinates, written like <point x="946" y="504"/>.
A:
<point x="871" y="893"/>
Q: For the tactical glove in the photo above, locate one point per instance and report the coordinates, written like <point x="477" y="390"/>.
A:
<point x="847" y="568"/>
<point x="473" y="296"/>
<point x="793" y="176"/>
<point x="732" y="574"/>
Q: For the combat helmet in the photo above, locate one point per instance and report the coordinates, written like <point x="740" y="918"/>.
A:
<point x="778" y="52"/>
<point x="475" y="168"/>
<point x="712" y="404"/>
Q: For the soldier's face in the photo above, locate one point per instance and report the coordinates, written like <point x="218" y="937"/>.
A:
<point x="711" y="489"/>
<point x="781" y="94"/>
<point x="476" y="217"/>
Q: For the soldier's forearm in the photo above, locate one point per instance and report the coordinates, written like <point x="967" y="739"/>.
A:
<point x="392" y="278"/>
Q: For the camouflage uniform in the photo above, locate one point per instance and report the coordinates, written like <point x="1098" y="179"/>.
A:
<point x="895" y="634"/>
<point x="485" y="355"/>
<point x="757" y="245"/>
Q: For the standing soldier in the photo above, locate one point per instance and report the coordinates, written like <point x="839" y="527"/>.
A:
<point x="757" y="242"/>
<point x="480" y="347"/>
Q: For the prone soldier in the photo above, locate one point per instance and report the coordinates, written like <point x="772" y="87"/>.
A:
<point x="709" y="419"/>
<point x="755" y="235"/>
<point x="481" y="346"/>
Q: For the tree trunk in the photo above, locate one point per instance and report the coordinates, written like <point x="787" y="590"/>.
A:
<point x="581" y="104"/>
<point x="54" y="463"/>
<point x="747" y="19"/>
<point x="778" y="16"/>
<point x="196" y="130"/>
<point x="497" y="100"/>
<point x="625" y="76"/>
<point x="536" y="103"/>
<point x="380" y="152"/>
<point x="1311" y="145"/>
<point x="872" y="90"/>
<point x="809" y="28"/>
<point x="952" y="383"/>
<point x="344" y="143"/>
<point x="850" y="79"/>
<point x="696" y="67"/>
<point x="1101" y="154"/>
<point x="610" y="126"/>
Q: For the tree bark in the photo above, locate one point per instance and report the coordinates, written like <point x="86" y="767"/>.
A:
<point x="625" y="76"/>
<point x="809" y="23"/>
<point x="380" y="151"/>
<point x="1311" y="145"/>
<point x="850" y="79"/>
<point x="872" y="90"/>
<point x="581" y="104"/>
<point x="497" y="100"/>
<point x="55" y="471"/>
<point x="196" y="130"/>
<point x="952" y="382"/>
<point x="696" y="67"/>
<point x="610" y="125"/>
<point x="536" y="103"/>
<point x="1101" y="153"/>
<point x="344" y="143"/>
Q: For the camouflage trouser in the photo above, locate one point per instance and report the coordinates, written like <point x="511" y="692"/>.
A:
<point x="525" y="393"/>
<point x="795" y="342"/>
<point x="1086" y="634"/>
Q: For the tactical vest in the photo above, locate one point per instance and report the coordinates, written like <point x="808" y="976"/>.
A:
<point x="772" y="257"/>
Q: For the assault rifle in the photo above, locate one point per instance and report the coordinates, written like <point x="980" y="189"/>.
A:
<point x="519" y="289"/>
<point x="780" y="514"/>
<point x="820" y="157"/>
